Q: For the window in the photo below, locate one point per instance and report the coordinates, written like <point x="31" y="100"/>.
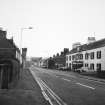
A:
<point x="81" y="56"/>
<point x="69" y="64"/>
<point x="92" y="66"/>
<point x="86" y="65"/>
<point x="92" y="55"/>
<point x="66" y="58"/>
<point x="98" y="66"/>
<point x="77" y="56"/>
<point x="98" y="54"/>
<point x="86" y="56"/>
<point x="70" y="58"/>
<point x="73" y="57"/>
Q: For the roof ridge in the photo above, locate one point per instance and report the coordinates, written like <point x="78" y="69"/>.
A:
<point x="90" y="46"/>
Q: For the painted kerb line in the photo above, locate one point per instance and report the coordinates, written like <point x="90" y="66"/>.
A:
<point x="56" y="97"/>
<point x="85" y="86"/>
<point x="66" y="79"/>
<point x="44" y="87"/>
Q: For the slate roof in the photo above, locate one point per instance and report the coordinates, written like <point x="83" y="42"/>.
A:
<point x="7" y="46"/>
<point x="84" y="47"/>
<point x="59" y="59"/>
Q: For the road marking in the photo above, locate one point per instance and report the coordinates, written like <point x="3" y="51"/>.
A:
<point x="85" y="86"/>
<point x="53" y="98"/>
<point x="42" y="89"/>
<point x="93" y="80"/>
<point x="69" y="75"/>
<point x="66" y="79"/>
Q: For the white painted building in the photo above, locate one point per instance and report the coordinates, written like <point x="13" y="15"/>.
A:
<point x="90" y="56"/>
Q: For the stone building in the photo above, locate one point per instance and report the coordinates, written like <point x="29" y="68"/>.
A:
<point x="89" y="56"/>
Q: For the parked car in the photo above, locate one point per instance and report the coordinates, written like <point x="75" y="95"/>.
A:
<point x="62" y="68"/>
<point x="82" y="69"/>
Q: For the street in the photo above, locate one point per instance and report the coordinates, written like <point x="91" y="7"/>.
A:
<point x="66" y="88"/>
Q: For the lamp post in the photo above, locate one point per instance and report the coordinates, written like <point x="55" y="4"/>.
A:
<point x="22" y="29"/>
<point x="23" y="60"/>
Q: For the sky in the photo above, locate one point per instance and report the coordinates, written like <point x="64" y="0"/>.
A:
<point x="57" y="24"/>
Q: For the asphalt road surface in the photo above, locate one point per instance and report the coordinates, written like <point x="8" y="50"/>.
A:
<point x="66" y="88"/>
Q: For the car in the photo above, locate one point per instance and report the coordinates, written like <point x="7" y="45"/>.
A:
<point x="62" y="68"/>
<point x="82" y="69"/>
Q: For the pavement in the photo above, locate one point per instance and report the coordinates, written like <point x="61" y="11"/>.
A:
<point x="26" y="92"/>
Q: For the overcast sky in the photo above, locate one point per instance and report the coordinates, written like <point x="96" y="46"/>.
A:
<point x="57" y="23"/>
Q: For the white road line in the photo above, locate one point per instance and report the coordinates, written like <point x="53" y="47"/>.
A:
<point x="98" y="81"/>
<point x="45" y="88"/>
<point x="85" y="86"/>
<point x="66" y="79"/>
<point x="42" y="89"/>
<point x="55" y="96"/>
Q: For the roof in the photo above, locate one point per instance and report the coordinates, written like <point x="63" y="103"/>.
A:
<point x="4" y="43"/>
<point x="59" y="59"/>
<point x="7" y="46"/>
<point x="7" y="43"/>
<point x="84" y="47"/>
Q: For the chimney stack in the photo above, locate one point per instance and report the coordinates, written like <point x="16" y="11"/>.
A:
<point x="3" y="33"/>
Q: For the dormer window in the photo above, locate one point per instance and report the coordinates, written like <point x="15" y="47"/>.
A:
<point x="78" y="48"/>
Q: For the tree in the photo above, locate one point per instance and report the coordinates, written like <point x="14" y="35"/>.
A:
<point x="51" y="63"/>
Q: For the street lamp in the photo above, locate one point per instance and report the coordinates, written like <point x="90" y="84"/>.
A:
<point x="23" y="60"/>
<point x="22" y="29"/>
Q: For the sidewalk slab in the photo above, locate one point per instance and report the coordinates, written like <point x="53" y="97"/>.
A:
<point x="26" y="92"/>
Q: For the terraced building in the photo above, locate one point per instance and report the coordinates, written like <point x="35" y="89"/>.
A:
<point x="89" y="56"/>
